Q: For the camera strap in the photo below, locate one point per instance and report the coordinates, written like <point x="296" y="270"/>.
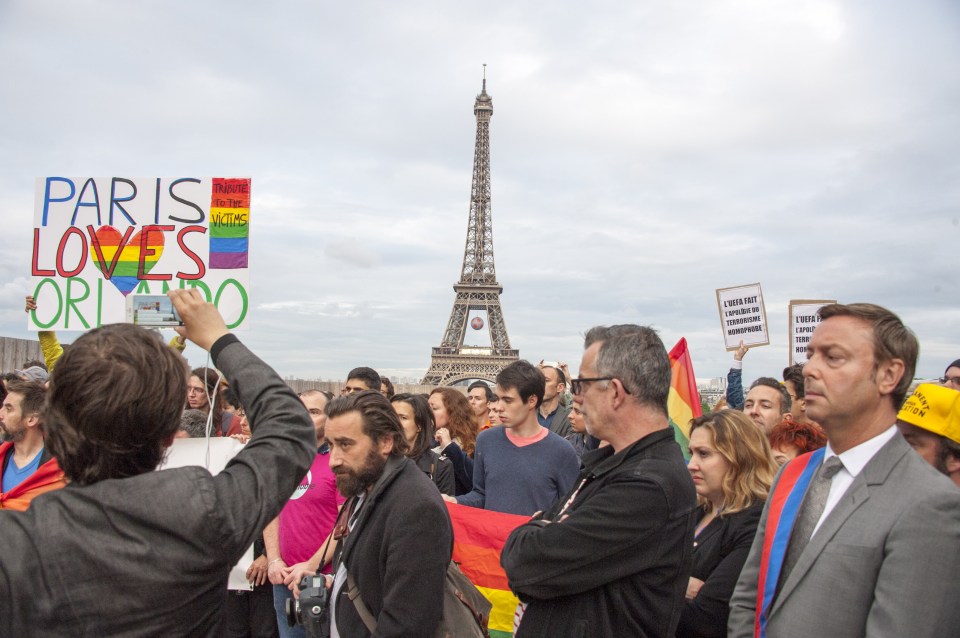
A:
<point x="353" y="593"/>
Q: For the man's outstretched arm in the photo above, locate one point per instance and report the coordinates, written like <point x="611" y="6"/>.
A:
<point x="257" y="482"/>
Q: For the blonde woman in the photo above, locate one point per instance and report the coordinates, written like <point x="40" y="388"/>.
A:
<point x="732" y="469"/>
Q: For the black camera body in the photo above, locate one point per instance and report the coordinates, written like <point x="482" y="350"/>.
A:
<point x="311" y="608"/>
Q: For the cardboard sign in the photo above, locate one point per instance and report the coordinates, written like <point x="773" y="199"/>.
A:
<point x="97" y="240"/>
<point x="803" y="321"/>
<point x="742" y="316"/>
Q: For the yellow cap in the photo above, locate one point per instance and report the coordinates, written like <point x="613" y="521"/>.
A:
<point x="935" y="409"/>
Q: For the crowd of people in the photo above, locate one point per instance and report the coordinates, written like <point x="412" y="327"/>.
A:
<point x="824" y="502"/>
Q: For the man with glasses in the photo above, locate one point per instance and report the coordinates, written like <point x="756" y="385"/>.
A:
<point x="360" y="379"/>
<point x="613" y="556"/>
<point x="951" y="376"/>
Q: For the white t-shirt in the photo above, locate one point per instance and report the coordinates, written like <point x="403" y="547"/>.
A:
<point x="340" y="579"/>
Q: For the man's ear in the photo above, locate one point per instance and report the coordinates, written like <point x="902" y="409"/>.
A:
<point x="620" y="394"/>
<point x="386" y="445"/>
<point x="952" y="464"/>
<point x="788" y="416"/>
<point x="889" y="374"/>
<point x="532" y="401"/>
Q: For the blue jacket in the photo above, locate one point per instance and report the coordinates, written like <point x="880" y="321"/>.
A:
<point x="735" y="388"/>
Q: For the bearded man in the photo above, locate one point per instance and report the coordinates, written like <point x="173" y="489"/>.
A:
<point x="394" y="534"/>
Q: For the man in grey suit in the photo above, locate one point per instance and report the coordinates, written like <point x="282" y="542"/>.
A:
<point x="884" y="553"/>
<point x="124" y="550"/>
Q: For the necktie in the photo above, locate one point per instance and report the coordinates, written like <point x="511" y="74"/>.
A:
<point x="810" y="512"/>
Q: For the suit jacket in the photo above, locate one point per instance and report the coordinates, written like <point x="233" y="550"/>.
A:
<point x="719" y="553"/>
<point x="560" y="424"/>
<point x="397" y="552"/>
<point x="885" y="561"/>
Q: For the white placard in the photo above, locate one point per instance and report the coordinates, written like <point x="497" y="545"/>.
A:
<point x="803" y="321"/>
<point x="212" y="454"/>
<point x="98" y="240"/>
<point x="742" y="316"/>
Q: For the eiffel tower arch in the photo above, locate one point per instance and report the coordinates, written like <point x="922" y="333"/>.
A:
<point x="477" y="290"/>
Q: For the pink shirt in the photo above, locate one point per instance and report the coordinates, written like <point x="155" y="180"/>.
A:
<point x="524" y="441"/>
<point x="309" y="515"/>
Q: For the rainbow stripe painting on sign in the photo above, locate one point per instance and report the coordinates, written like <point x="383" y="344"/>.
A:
<point x="229" y="223"/>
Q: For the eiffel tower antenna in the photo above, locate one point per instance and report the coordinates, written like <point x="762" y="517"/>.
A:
<point x="477" y="289"/>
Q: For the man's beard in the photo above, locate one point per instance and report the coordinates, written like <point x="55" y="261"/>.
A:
<point x="350" y="482"/>
<point x="11" y="437"/>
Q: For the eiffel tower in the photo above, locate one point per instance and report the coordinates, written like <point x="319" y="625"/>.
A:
<point x="477" y="289"/>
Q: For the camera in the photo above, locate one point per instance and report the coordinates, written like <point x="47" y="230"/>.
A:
<point x="311" y="609"/>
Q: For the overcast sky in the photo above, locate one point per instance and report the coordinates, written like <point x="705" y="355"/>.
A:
<point x="644" y="154"/>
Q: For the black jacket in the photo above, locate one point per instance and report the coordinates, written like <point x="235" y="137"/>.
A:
<point x="439" y="469"/>
<point x="462" y="468"/>
<point x="618" y="565"/>
<point x="397" y="553"/>
<point x="719" y="553"/>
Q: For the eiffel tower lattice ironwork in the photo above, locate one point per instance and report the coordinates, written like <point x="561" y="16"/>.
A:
<point x="477" y="289"/>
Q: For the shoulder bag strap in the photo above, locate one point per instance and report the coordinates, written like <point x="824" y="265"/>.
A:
<point x="353" y="593"/>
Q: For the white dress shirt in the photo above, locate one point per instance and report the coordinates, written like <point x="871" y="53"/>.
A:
<point x="854" y="460"/>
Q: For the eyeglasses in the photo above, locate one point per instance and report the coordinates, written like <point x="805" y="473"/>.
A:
<point x="953" y="380"/>
<point x="576" y="385"/>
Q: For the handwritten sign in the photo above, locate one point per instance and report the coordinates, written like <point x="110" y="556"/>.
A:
<point x="742" y="316"/>
<point x="97" y="240"/>
<point x="803" y="321"/>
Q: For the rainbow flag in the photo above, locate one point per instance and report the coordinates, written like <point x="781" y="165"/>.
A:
<point x="783" y="508"/>
<point x="478" y="538"/>
<point x="684" y="401"/>
<point x="229" y="223"/>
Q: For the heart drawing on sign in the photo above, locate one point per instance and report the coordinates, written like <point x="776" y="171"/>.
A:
<point x="124" y="258"/>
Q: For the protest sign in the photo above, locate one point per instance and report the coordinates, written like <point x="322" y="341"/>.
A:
<point x="803" y="320"/>
<point x="97" y="240"/>
<point x="742" y="316"/>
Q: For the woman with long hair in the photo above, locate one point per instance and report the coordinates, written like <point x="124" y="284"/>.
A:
<point x="732" y="470"/>
<point x="456" y="433"/>
<point x="416" y="417"/>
